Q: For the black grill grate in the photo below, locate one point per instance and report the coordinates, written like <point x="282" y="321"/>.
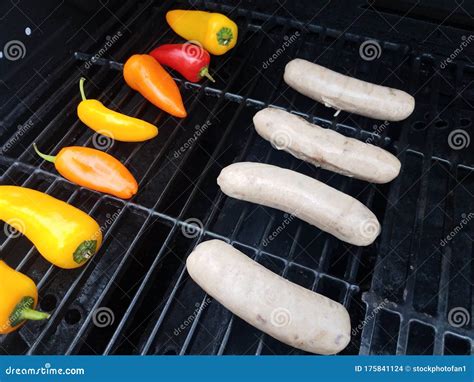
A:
<point x="400" y="290"/>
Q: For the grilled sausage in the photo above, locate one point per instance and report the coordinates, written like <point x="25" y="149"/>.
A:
<point x="326" y="148"/>
<point x="306" y="198"/>
<point x="346" y="93"/>
<point x="286" y="311"/>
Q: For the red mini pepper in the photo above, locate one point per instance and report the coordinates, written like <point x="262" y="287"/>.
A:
<point x="188" y="59"/>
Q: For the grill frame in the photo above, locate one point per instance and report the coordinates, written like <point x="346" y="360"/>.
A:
<point x="402" y="140"/>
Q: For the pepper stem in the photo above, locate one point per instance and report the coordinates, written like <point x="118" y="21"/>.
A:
<point x="49" y="158"/>
<point x="81" y="88"/>
<point x="25" y="311"/>
<point x="224" y="36"/>
<point x="85" y="251"/>
<point x="35" y="315"/>
<point x="204" y="72"/>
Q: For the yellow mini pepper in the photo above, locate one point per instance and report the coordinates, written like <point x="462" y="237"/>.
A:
<point x="19" y="297"/>
<point x="64" y="235"/>
<point x="214" y="31"/>
<point x="110" y="123"/>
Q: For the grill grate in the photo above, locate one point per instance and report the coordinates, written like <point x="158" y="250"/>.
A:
<point x="400" y="290"/>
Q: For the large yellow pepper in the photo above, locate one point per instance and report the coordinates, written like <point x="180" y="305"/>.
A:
<point x="18" y="296"/>
<point x="65" y="236"/>
<point x="214" y="31"/>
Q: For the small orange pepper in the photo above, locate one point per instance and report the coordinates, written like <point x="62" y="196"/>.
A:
<point x="93" y="169"/>
<point x="145" y="75"/>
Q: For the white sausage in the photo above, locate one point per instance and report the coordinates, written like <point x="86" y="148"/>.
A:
<point x="286" y="311"/>
<point x="346" y="93"/>
<point x="308" y="199"/>
<point x="326" y="148"/>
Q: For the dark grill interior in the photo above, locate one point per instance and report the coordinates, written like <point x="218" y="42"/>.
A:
<point x="400" y="290"/>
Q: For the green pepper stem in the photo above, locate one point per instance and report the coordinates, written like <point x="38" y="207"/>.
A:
<point x="204" y="72"/>
<point x="35" y="315"/>
<point x="49" y="158"/>
<point x="224" y="36"/>
<point x="85" y="251"/>
<point x="81" y="88"/>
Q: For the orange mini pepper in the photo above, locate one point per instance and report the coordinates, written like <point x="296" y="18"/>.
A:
<point x="93" y="169"/>
<point x="145" y="75"/>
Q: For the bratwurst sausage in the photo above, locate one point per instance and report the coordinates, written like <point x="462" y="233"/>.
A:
<point x="286" y="311"/>
<point x="324" y="147"/>
<point x="306" y="198"/>
<point x="346" y="93"/>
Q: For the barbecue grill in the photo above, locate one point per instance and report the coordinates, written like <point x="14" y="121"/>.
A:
<point x="411" y="292"/>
